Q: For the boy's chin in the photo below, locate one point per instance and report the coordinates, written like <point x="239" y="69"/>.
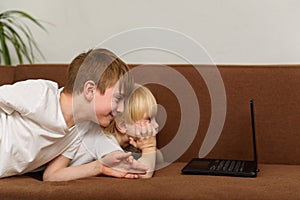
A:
<point x="105" y="123"/>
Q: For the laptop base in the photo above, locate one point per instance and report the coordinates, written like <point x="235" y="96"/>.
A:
<point x="237" y="168"/>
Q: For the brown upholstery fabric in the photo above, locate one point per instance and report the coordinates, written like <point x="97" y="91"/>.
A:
<point x="53" y="72"/>
<point x="7" y="74"/>
<point x="273" y="182"/>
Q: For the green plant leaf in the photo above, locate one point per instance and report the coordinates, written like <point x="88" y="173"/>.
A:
<point x="27" y="51"/>
<point x="14" y="30"/>
<point x="17" y="42"/>
<point x="25" y="15"/>
<point x="5" y="52"/>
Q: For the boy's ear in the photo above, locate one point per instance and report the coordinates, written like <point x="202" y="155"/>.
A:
<point x="121" y="126"/>
<point x="89" y="90"/>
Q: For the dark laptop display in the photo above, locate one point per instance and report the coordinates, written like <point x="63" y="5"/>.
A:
<point x="240" y="168"/>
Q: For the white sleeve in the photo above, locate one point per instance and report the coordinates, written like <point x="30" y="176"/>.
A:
<point x="71" y="151"/>
<point x="106" y="144"/>
<point x="94" y="144"/>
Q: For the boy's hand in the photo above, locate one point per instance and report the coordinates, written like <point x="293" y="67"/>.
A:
<point x="120" y="164"/>
<point x="142" y="129"/>
<point x="144" y="144"/>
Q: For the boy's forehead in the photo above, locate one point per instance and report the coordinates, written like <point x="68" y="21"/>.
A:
<point x="126" y="84"/>
<point x="123" y="88"/>
<point x="119" y="88"/>
<point x="119" y="92"/>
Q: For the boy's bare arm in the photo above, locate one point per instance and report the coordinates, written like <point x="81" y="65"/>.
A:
<point x="148" y="148"/>
<point x="116" y="164"/>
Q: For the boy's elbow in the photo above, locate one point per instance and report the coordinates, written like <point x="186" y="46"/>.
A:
<point x="49" y="177"/>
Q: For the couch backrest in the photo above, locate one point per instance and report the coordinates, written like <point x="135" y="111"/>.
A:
<point x="7" y="74"/>
<point x="54" y="72"/>
<point x="274" y="89"/>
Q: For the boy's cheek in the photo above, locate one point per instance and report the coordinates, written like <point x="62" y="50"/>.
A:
<point x="130" y="130"/>
<point x="120" y="106"/>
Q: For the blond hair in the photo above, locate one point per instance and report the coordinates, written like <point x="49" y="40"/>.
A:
<point x="140" y="102"/>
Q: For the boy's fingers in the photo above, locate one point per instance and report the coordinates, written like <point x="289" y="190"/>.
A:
<point x="132" y="142"/>
<point x="150" y="130"/>
<point x="130" y="159"/>
<point x="144" y="131"/>
<point x="155" y="127"/>
<point x="138" y="130"/>
<point x="131" y="176"/>
<point x="133" y="130"/>
<point x="154" y="130"/>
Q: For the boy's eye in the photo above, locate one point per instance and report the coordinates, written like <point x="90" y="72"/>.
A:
<point x="148" y="119"/>
<point x="118" y="98"/>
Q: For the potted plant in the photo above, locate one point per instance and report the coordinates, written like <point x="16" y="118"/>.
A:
<point x="15" y="33"/>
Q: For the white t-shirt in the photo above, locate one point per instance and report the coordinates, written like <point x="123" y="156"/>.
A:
<point x="32" y="128"/>
<point x="94" y="145"/>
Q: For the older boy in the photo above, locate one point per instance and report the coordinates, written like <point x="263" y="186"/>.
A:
<point x="39" y="121"/>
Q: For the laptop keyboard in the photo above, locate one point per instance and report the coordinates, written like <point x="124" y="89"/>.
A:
<point x="228" y="165"/>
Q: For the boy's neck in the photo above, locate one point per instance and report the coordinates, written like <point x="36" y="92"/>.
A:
<point x="66" y="104"/>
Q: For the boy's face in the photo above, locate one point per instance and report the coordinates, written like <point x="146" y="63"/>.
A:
<point x="144" y="127"/>
<point x="130" y="132"/>
<point x="109" y="104"/>
<point x="148" y="120"/>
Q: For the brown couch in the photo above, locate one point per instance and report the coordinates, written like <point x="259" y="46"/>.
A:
<point x="275" y="90"/>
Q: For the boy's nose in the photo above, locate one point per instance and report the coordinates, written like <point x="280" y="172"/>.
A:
<point x="120" y="107"/>
<point x="155" y="124"/>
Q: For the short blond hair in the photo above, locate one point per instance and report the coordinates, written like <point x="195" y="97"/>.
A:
<point x="139" y="102"/>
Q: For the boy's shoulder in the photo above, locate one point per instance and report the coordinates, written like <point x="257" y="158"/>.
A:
<point x="30" y="85"/>
<point x="33" y="83"/>
<point x="38" y="83"/>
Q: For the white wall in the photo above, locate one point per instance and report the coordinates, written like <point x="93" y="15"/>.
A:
<point x="231" y="31"/>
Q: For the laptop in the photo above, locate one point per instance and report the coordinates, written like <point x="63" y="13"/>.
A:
<point x="219" y="167"/>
